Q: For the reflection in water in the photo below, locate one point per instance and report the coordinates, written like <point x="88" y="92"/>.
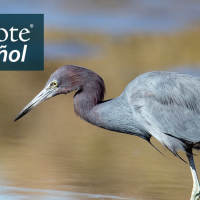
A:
<point x="14" y="193"/>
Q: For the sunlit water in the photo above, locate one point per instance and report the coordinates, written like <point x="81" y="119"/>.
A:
<point x="17" y="193"/>
<point x="52" y="154"/>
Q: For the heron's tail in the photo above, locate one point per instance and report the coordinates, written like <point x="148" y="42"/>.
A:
<point x="154" y="147"/>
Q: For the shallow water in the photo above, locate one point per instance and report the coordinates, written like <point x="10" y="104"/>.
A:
<point x="108" y="17"/>
<point x="194" y="71"/>
<point x="113" y="17"/>
<point x="52" y="154"/>
<point x="56" y="51"/>
<point x="17" y="193"/>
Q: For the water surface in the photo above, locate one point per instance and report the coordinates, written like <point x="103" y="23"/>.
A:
<point x="113" y="17"/>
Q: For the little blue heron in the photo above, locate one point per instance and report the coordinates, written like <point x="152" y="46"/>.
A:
<point x="165" y="105"/>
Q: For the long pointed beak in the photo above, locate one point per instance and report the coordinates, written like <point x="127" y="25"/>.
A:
<point x="42" y="96"/>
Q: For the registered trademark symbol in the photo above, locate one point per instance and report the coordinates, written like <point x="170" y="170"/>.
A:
<point x="31" y="25"/>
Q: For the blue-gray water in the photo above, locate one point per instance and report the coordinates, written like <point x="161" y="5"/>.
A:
<point x="108" y="17"/>
<point x="113" y="16"/>
<point x="71" y="49"/>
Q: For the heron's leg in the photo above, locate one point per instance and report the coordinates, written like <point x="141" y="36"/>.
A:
<point x="196" y="187"/>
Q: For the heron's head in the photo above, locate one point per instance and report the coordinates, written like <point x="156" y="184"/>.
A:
<point x="64" y="80"/>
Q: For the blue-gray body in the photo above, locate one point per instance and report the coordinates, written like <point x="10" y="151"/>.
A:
<point x="165" y="105"/>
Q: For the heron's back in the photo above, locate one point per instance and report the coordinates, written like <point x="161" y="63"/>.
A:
<point x="168" y="102"/>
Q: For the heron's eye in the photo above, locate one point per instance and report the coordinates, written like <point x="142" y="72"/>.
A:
<point x="54" y="84"/>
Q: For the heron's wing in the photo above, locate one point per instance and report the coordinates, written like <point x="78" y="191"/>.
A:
<point x="172" y="105"/>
